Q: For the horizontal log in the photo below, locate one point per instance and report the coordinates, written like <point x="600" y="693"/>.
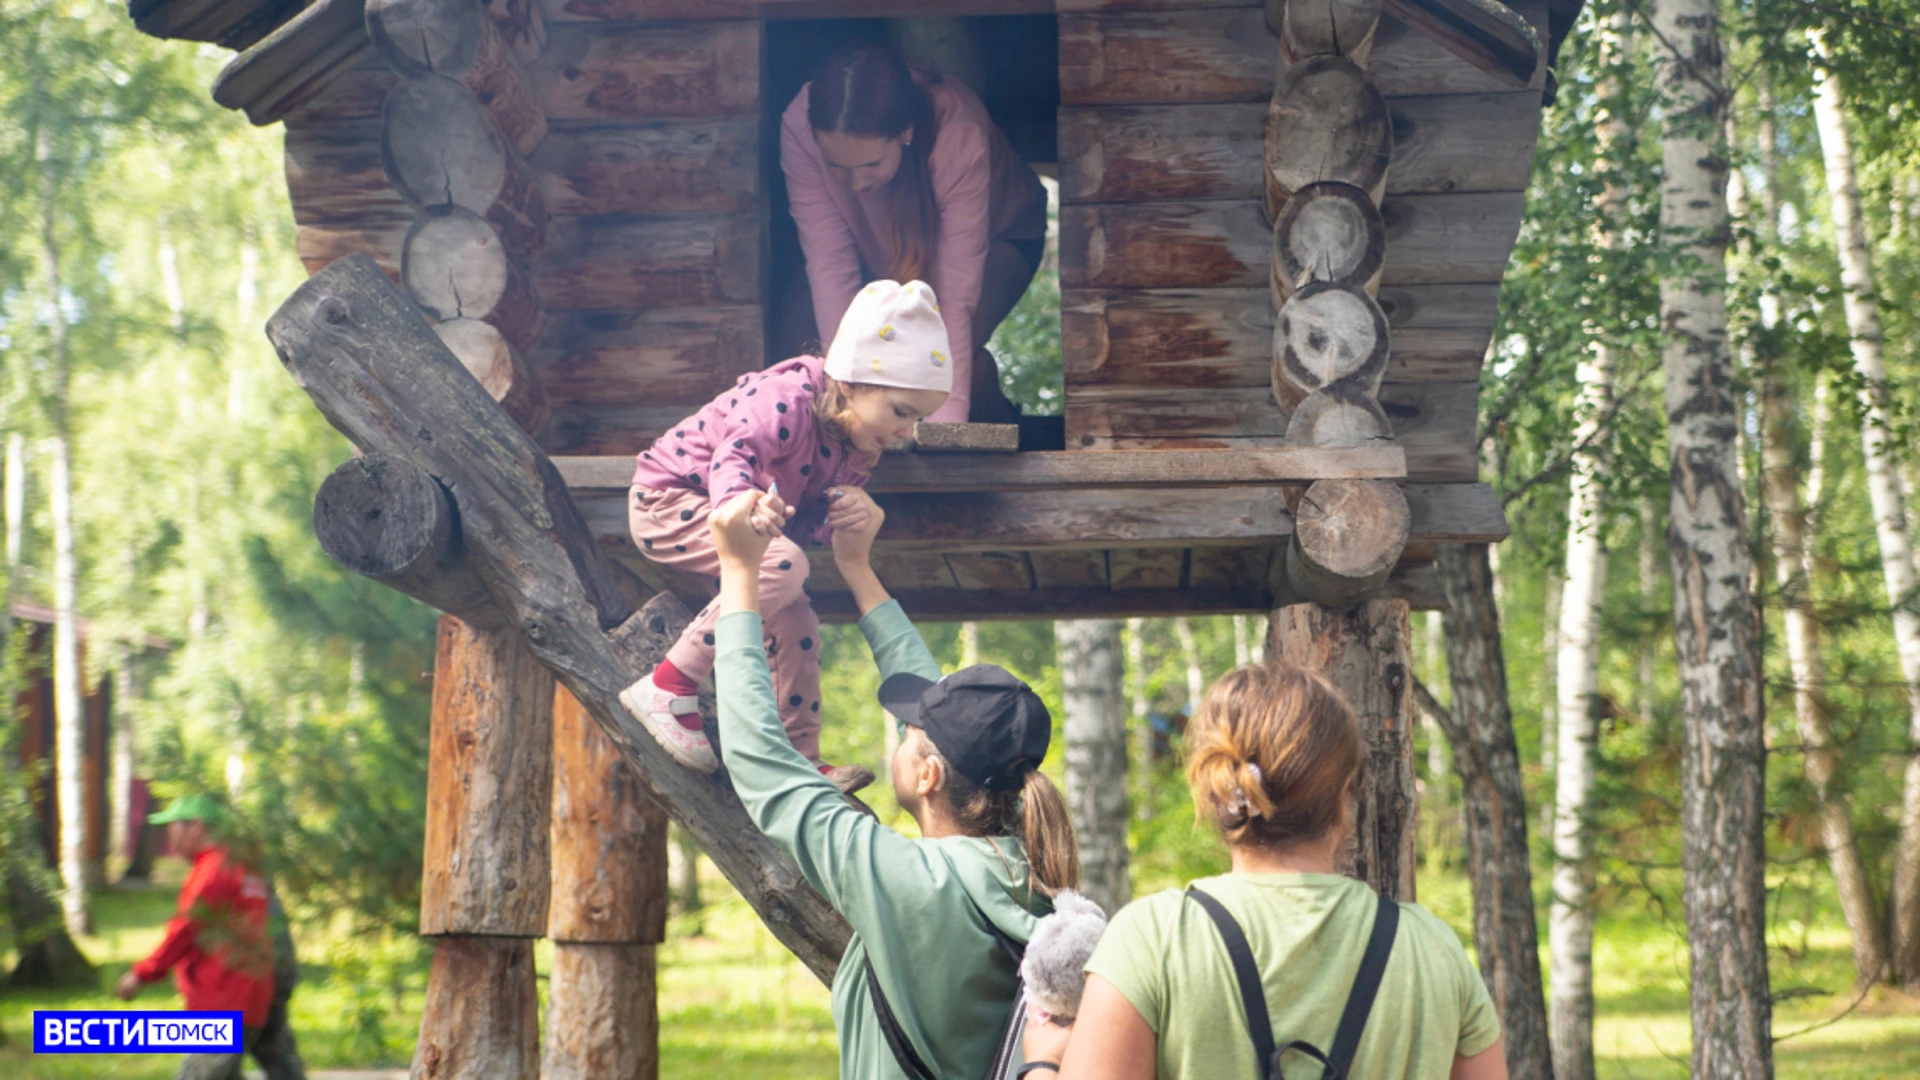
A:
<point x="1216" y="54"/>
<point x="666" y="167"/>
<point x="591" y="73"/>
<point x="386" y="519"/>
<point x="1064" y="470"/>
<point x="353" y="96"/>
<point x="1433" y="422"/>
<point x="1431" y="239"/>
<point x="992" y="570"/>
<point x="371" y="363"/>
<point x="458" y="39"/>
<point x="679" y="357"/>
<point x="489" y="786"/>
<point x="381" y="238"/>
<point x="440" y="148"/>
<point x="623" y="263"/>
<point x="1222" y="338"/>
<point x="1163" y="58"/>
<point x="1455" y="513"/>
<point x="295" y="62"/>
<point x="335" y="176"/>
<point x="1080" y="6"/>
<point x="231" y="24"/>
<point x="1441" y="143"/>
<point x="657" y="10"/>
<point x="932" y="438"/>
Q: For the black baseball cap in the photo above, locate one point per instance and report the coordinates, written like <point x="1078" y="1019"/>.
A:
<point x="991" y="727"/>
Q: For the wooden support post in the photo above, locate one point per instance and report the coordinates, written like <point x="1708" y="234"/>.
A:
<point x="373" y="366"/>
<point x="484" y="892"/>
<point x="609" y="908"/>
<point x="1365" y="652"/>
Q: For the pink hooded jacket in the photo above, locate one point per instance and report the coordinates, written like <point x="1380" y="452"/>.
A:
<point x="983" y="189"/>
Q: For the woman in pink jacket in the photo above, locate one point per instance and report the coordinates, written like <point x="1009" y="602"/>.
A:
<point x="898" y="173"/>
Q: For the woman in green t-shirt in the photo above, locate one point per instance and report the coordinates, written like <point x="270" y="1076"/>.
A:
<point x="1273" y="762"/>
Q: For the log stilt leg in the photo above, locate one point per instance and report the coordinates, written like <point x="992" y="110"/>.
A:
<point x="609" y="908"/>
<point x="485" y="888"/>
<point x="482" y="1016"/>
<point x="1365" y="652"/>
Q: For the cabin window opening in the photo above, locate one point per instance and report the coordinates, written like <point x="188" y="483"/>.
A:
<point x="1012" y="62"/>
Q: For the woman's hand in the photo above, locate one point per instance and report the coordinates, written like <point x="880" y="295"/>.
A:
<point x="128" y="987"/>
<point x="855" y="519"/>
<point x="741" y="530"/>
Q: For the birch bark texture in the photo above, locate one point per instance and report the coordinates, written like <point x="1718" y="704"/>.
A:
<point x="1881" y="457"/>
<point x="1723" y="757"/>
<point x="1487" y="758"/>
<point x="1577" y="734"/>
<point x="1094" y="697"/>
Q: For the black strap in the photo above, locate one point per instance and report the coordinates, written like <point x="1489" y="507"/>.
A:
<point x="1253" y="995"/>
<point x="903" y="1052"/>
<point x="1366" y="984"/>
<point x="896" y="1036"/>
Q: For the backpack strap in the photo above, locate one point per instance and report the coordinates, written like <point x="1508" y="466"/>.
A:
<point x="1253" y="995"/>
<point x="903" y="1052"/>
<point x="1366" y="984"/>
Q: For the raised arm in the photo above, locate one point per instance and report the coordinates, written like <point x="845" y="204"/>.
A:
<point x="896" y="645"/>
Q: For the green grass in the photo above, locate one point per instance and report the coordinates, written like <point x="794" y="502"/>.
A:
<point x="736" y="1005"/>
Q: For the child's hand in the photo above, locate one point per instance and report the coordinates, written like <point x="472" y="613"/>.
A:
<point x="739" y="532"/>
<point x="770" y="514"/>
<point x="855" y="519"/>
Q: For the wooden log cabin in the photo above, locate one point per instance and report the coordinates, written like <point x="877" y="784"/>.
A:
<point x="1282" y="231"/>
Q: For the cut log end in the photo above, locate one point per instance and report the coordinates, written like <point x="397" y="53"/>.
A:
<point x="456" y="266"/>
<point x="1348" y="535"/>
<point x="439" y="147"/>
<point x="501" y="371"/>
<point x="1329" y="232"/>
<point x="1339" y="27"/>
<point x="1338" y="416"/>
<point x="386" y="519"/>
<point x="1327" y="122"/>
<point x="1328" y="335"/>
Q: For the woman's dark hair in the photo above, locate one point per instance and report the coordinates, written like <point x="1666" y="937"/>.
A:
<point x="870" y="91"/>
<point x="1034" y="811"/>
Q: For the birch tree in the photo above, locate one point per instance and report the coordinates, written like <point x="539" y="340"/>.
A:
<point x="1723" y="755"/>
<point x="1881" y="458"/>
<point x="1577" y="730"/>
<point x="1096" y="734"/>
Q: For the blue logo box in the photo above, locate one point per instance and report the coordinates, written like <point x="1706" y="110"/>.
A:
<point x="135" y="1031"/>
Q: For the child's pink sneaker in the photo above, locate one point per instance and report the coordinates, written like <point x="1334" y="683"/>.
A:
<point x="659" y="712"/>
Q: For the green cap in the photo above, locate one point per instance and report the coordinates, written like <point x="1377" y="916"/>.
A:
<point x="191" y="808"/>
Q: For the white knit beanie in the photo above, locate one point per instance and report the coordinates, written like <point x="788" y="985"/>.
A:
<point x="892" y="335"/>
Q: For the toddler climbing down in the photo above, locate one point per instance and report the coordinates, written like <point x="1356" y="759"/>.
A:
<point x="804" y="430"/>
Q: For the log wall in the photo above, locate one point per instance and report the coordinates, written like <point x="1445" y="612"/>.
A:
<point x="1166" y="260"/>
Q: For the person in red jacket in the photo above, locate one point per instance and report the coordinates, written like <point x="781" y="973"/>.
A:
<point x="219" y="947"/>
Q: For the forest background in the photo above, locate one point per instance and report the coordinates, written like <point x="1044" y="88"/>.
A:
<point x="161" y="466"/>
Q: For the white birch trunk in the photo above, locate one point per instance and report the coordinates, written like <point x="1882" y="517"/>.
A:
<point x="1142" y="723"/>
<point x="1190" y="652"/>
<point x="969" y="644"/>
<point x="1884" y="487"/>
<point x="1095" y="725"/>
<point x="1723" y="757"/>
<point x="1550" y="693"/>
<point x="1577" y="663"/>
<point x="1649" y="582"/>
<point x="1242" y="647"/>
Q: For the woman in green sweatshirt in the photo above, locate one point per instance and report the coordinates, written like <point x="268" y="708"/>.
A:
<point x="929" y="916"/>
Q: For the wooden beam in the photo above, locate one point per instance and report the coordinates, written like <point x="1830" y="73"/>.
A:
<point x="1486" y="33"/>
<point x="372" y="365"/>
<point x="618" y="73"/>
<point x="232" y="24"/>
<point x="295" y="61"/>
<point x="663" y="10"/>
<point x="1431" y="239"/>
<point x="1066" y="470"/>
<point x="626" y="263"/>
<point x="692" y="165"/>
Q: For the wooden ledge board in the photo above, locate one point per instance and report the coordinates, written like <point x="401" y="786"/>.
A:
<point x="1060" y="470"/>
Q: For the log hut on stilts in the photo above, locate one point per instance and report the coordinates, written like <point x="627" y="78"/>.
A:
<point x="541" y="230"/>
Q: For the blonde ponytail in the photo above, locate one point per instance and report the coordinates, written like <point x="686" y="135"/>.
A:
<point x="1272" y="754"/>
<point x="1047" y="831"/>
